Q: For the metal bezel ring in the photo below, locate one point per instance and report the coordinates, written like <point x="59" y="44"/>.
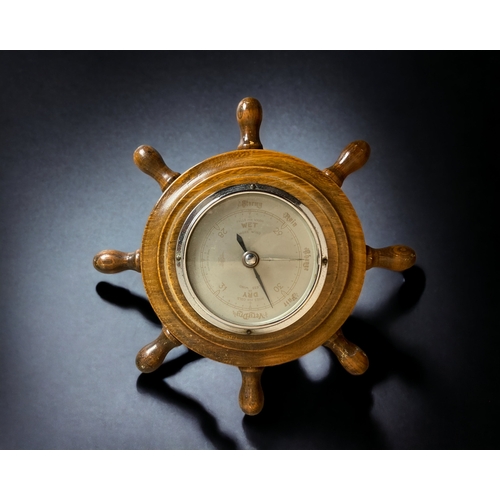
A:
<point x="273" y="325"/>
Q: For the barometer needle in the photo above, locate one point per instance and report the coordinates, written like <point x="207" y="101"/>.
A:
<point x="239" y="239"/>
<point x="279" y="259"/>
<point x="260" y="283"/>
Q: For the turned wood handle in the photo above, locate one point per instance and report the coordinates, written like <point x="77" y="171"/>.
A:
<point x="351" y="357"/>
<point x="352" y="158"/>
<point x="151" y="356"/>
<point x="394" y="258"/>
<point x="114" y="261"/>
<point x="251" y="397"/>
<point x="249" y="116"/>
<point x="151" y="163"/>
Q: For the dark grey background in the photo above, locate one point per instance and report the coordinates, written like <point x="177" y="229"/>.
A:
<point x="69" y="123"/>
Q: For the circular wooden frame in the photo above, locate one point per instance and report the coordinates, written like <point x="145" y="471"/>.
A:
<point x="320" y="194"/>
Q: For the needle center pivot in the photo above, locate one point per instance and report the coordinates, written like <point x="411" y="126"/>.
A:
<point x="250" y="259"/>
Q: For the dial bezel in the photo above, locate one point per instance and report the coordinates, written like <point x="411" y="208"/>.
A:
<point x="299" y="309"/>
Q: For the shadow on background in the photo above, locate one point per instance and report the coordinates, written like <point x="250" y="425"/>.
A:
<point x="155" y="385"/>
<point x="406" y="297"/>
<point x="124" y="298"/>
<point x="333" y="413"/>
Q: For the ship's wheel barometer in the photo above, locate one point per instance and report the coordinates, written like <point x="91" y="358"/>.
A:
<point x="253" y="258"/>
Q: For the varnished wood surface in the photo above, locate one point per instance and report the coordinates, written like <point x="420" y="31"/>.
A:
<point x="150" y="162"/>
<point x="249" y="117"/>
<point x="115" y="261"/>
<point x="394" y="258"/>
<point x="152" y="355"/>
<point x="352" y="158"/>
<point x="251" y="396"/>
<point x="350" y="356"/>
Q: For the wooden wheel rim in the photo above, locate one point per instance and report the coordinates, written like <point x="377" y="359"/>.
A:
<point x="341" y="227"/>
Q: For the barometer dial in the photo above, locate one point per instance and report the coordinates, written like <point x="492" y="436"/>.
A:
<point x="251" y="259"/>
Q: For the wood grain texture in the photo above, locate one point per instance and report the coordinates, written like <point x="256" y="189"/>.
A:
<point x="114" y="261"/>
<point x="350" y="356"/>
<point x="332" y="209"/>
<point x="150" y="162"/>
<point x="394" y="258"/>
<point x="352" y="158"/>
<point x="152" y="355"/>
<point x="251" y="396"/>
<point x="249" y="117"/>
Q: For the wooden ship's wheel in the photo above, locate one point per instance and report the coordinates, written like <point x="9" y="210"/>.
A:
<point x="253" y="258"/>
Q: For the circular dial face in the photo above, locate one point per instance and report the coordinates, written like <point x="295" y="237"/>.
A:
<point x="251" y="259"/>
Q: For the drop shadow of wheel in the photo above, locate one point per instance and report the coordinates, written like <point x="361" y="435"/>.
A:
<point x="334" y="413"/>
<point x="124" y="298"/>
<point x="154" y="383"/>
